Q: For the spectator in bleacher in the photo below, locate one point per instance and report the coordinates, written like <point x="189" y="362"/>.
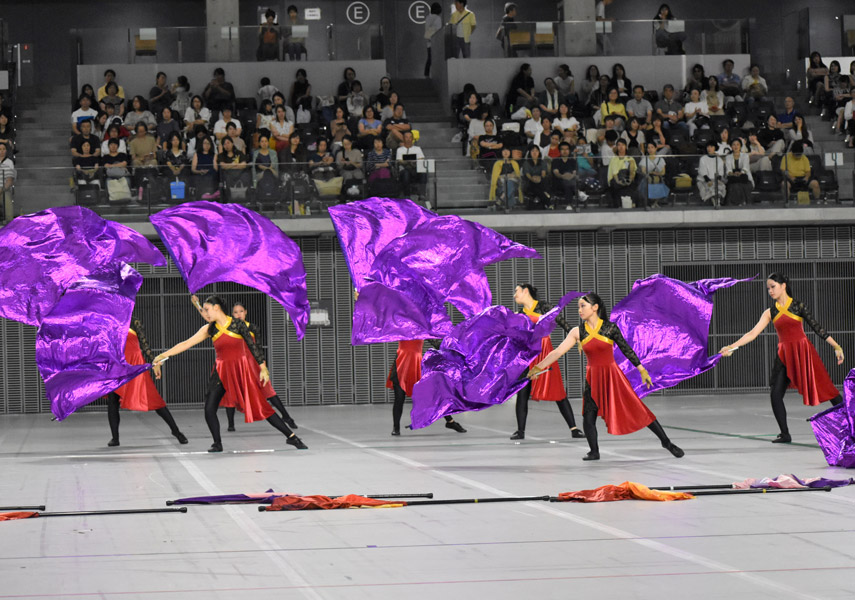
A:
<point x="507" y="24"/>
<point x="175" y="158"/>
<point x="564" y="176"/>
<point x="378" y="162"/>
<point x="219" y="93"/>
<point x="713" y="97"/>
<point x="114" y="161"/>
<point x="7" y="132"/>
<point x="549" y="99"/>
<point x="771" y="137"/>
<point x="233" y="166"/>
<point x="816" y="73"/>
<point x="166" y="126"/>
<point x="8" y="175"/>
<point x="566" y="85"/>
<point x="476" y="129"/>
<point x="837" y="92"/>
<point x="280" y="130"/>
<point x="671" y="41"/>
<point x="301" y="91"/>
<point x="220" y="126"/>
<point x="841" y="111"/>
<point x="724" y="142"/>
<point x="607" y="137"/>
<point x="279" y="100"/>
<point x="640" y="108"/>
<point x="263" y="118"/>
<point x="785" y="119"/>
<point x="657" y="135"/>
<point x="160" y="96"/>
<point x="113" y="99"/>
<point x="533" y="126"/>
<point x="113" y="133"/>
<point x="85" y="135"/>
<point x="196" y="115"/>
<point x="564" y="120"/>
<point x="697" y="81"/>
<point x="615" y="108"/>
<point x="110" y="77"/>
<point x="505" y="191"/>
<point x="388" y="109"/>
<point x="535" y="177"/>
<point x="395" y="127"/>
<point x="139" y="114"/>
<point x="199" y="134"/>
<point x="737" y="169"/>
<point x="407" y="156"/>
<point x="349" y="162"/>
<point x="86" y="164"/>
<point x="799" y="132"/>
<point x="294" y="47"/>
<point x="233" y="134"/>
<point x="463" y="21"/>
<point x="696" y="113"/>
<point x="205" y="168"/>
<point x="344" y="87"/>
<point x="621" y="82"/>
<point x="181" y="91"/>
<point x="85" y="112"/>
<point x="542" y="140"/>
<point x="369" y="128"/>
<point x="553" y="148"/>
<point x="797" y="172"/>
<point x="338" y="128"/>
<point x="381" y="98"/>
<point x="754" y="86"/>
<point x="99" y="125"/>
<point x="670" y="111"/>
<point x="433" y="25"/>
<point x="849" y="119"/>
<point x="758" y="157"/>
<point x="114" y="119"/>
<point x="584" y="161"/>
<point x="356" y="100"/>
<point x="634" y="137"/>
<point x="266" y="91"/>
<point x="472" y="110"/>
<point x="143" y="150"/>
<point x="621" y="174"/>
<point x="711" y="179"/>
<point x="521" y="93"/>
<point x="652" y="185"/>
<point x="598" y="96"/>
<point x="293" y="157"/>
<point x="489" y="144"/>
<point x="86" y="90"/>
<point x="268" y="38"/>
<point x="730" y="83"/>
<point x="589" y="84"/>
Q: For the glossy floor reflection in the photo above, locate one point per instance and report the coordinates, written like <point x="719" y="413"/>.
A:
<point x="796" y="545"/>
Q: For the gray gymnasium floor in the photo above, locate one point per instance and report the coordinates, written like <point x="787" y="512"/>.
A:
<point x="790" y="545"/>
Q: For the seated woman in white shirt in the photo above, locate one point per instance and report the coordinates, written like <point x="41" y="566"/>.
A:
<point x="713" y="96"/>
<point x="800" y="132"/>
<point x="737" y="170"/>
<point x="711" y="181"/>
<point x="565" y="120"/>
<point x="697" y="113"/>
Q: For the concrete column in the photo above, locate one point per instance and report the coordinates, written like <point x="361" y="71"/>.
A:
<point x="579" y="39"/>
<point x="219" y="14"/>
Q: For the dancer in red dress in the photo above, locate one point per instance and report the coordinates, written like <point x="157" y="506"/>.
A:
<point x="548" y="387"/>
<point x="240" y="370"/>
<point x="607" y="390"/>
<point x="797" y="364"/>
<point x="228" y="402"/>
<point x="139" y="394"/>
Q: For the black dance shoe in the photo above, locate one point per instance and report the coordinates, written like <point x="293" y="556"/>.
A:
<point x="783" y="438"/>
<point x="591" y="456"/>
<point x="216" y="447"/>
<point x="113" y="443"/>
<point x="577" y="433"/>
<point x="231" y="428"/>
<point x="297" y="443"/>
<point x="396" y="431"/>
<point x="182" y="439"/>
<point x="455" y="426"/>
<point x="518" y="435"/>
<point x="675" y="450"/>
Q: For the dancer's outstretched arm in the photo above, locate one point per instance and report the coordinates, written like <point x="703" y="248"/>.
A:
<point x="762" y="324"/>
<point x="199" y="337"/>
<point x="571" y="340"/>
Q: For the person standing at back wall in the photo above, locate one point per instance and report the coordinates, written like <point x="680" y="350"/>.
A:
<point x="464" y="24"/>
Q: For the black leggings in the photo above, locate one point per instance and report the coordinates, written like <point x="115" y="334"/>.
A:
<point x="216" y="391"/>
<point x="589" y="419"/>
<point x="523" y="397"/>
<point x="275" y="401"/>
<point x="779" y="383"/>
<point x="400" y="396"/>
<point x="113" y="415"/>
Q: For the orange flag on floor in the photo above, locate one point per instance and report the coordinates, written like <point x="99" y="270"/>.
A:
<point x="12" y="516"/>
<point x="628" y="490"/>
<point x="327" y="503"/>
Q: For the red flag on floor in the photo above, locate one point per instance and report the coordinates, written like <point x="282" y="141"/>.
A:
<point x="13" y="516"/>
<point x="628" y="490"/>
<point x="327" y="503"/>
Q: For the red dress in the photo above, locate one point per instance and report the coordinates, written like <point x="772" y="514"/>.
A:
<point x="549" y="386"/>
<point x="617" y="403"/>
<point x="805" y="370"/>
<point x="238" y="371"/>
<point x="408" y="363"/>
<point x="139" y="393"/>
<point x="229" y="401"/>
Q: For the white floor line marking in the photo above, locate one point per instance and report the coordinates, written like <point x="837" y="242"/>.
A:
<point x="258" y="535"/>
<point x="619" y="533"/>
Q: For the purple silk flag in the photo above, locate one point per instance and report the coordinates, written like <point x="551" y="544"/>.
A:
<point x="667" y="323"/>
<point x="834" y="428"/>
<point x="45" y="253"/>
<point x="481" y="363"/>
<point x="227" y="242"/>
<point x="383" y="314"/>
<point x="80" y="345"/>
<point x="364" y="228"/>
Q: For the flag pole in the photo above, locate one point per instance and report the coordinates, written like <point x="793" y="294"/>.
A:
<point x="40" y="507"/>
<point x="260" y="500"/>
<point x="681" y="488"/>
<point x="131" y="511"/>
<point x="453" y="501"/>
<point x="760" y="491"/>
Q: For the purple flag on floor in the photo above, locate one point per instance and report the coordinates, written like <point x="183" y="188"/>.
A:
<point x="834" y="428"/>
<point x="481" y="363"/>
<point x="364" y="228"/>
<point x="80" y="344"/>
<point x="791" y="482"/>
<point x="212" y="243"/>
<point x="667" y="323"/>
<point x="43" y="254"/>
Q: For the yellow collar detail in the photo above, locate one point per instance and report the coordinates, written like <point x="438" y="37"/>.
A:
<point x="595" y="333"/>
<point x="785" y="310"/>
<point x="225" y="330"/>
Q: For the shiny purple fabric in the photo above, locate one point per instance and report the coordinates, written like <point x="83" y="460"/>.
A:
<point x="383" y="314"/>
<point x="481" y="363"/>
<point x="80" y="344"/>
<point x="667" y="322"/>
<point x="834" y="428"/>
<point x="45" y="253"/>
<point x="227" y="242"/>
<point x="364" y="228"/>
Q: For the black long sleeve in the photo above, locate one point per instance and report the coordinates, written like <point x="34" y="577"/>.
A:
<point x="611" y="331"/>
<point x="239" y="327"/>
<point x="543" y="308"/>
<point x="800" y="310"/>
<point x="145" y="347"/>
